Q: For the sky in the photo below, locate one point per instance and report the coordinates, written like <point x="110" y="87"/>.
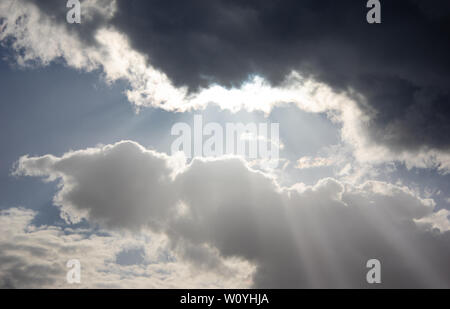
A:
<point x="87" y="170"/>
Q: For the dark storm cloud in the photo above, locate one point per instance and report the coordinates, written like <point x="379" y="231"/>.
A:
<point x="401" y="66"/>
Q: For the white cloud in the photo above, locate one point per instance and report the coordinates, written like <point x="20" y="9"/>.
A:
<point x="215" y="209"/>
<point x="437" y="220"/>
<point x="36" y="257"/>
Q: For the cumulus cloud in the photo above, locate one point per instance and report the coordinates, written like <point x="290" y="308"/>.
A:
<point x="35" y="257"/>
<point x="217" y="209"/>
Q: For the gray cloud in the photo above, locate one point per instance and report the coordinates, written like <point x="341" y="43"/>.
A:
<point x="304" y="236"/>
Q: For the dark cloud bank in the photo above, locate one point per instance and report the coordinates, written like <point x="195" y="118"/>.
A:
<point x="401" y="66"/>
